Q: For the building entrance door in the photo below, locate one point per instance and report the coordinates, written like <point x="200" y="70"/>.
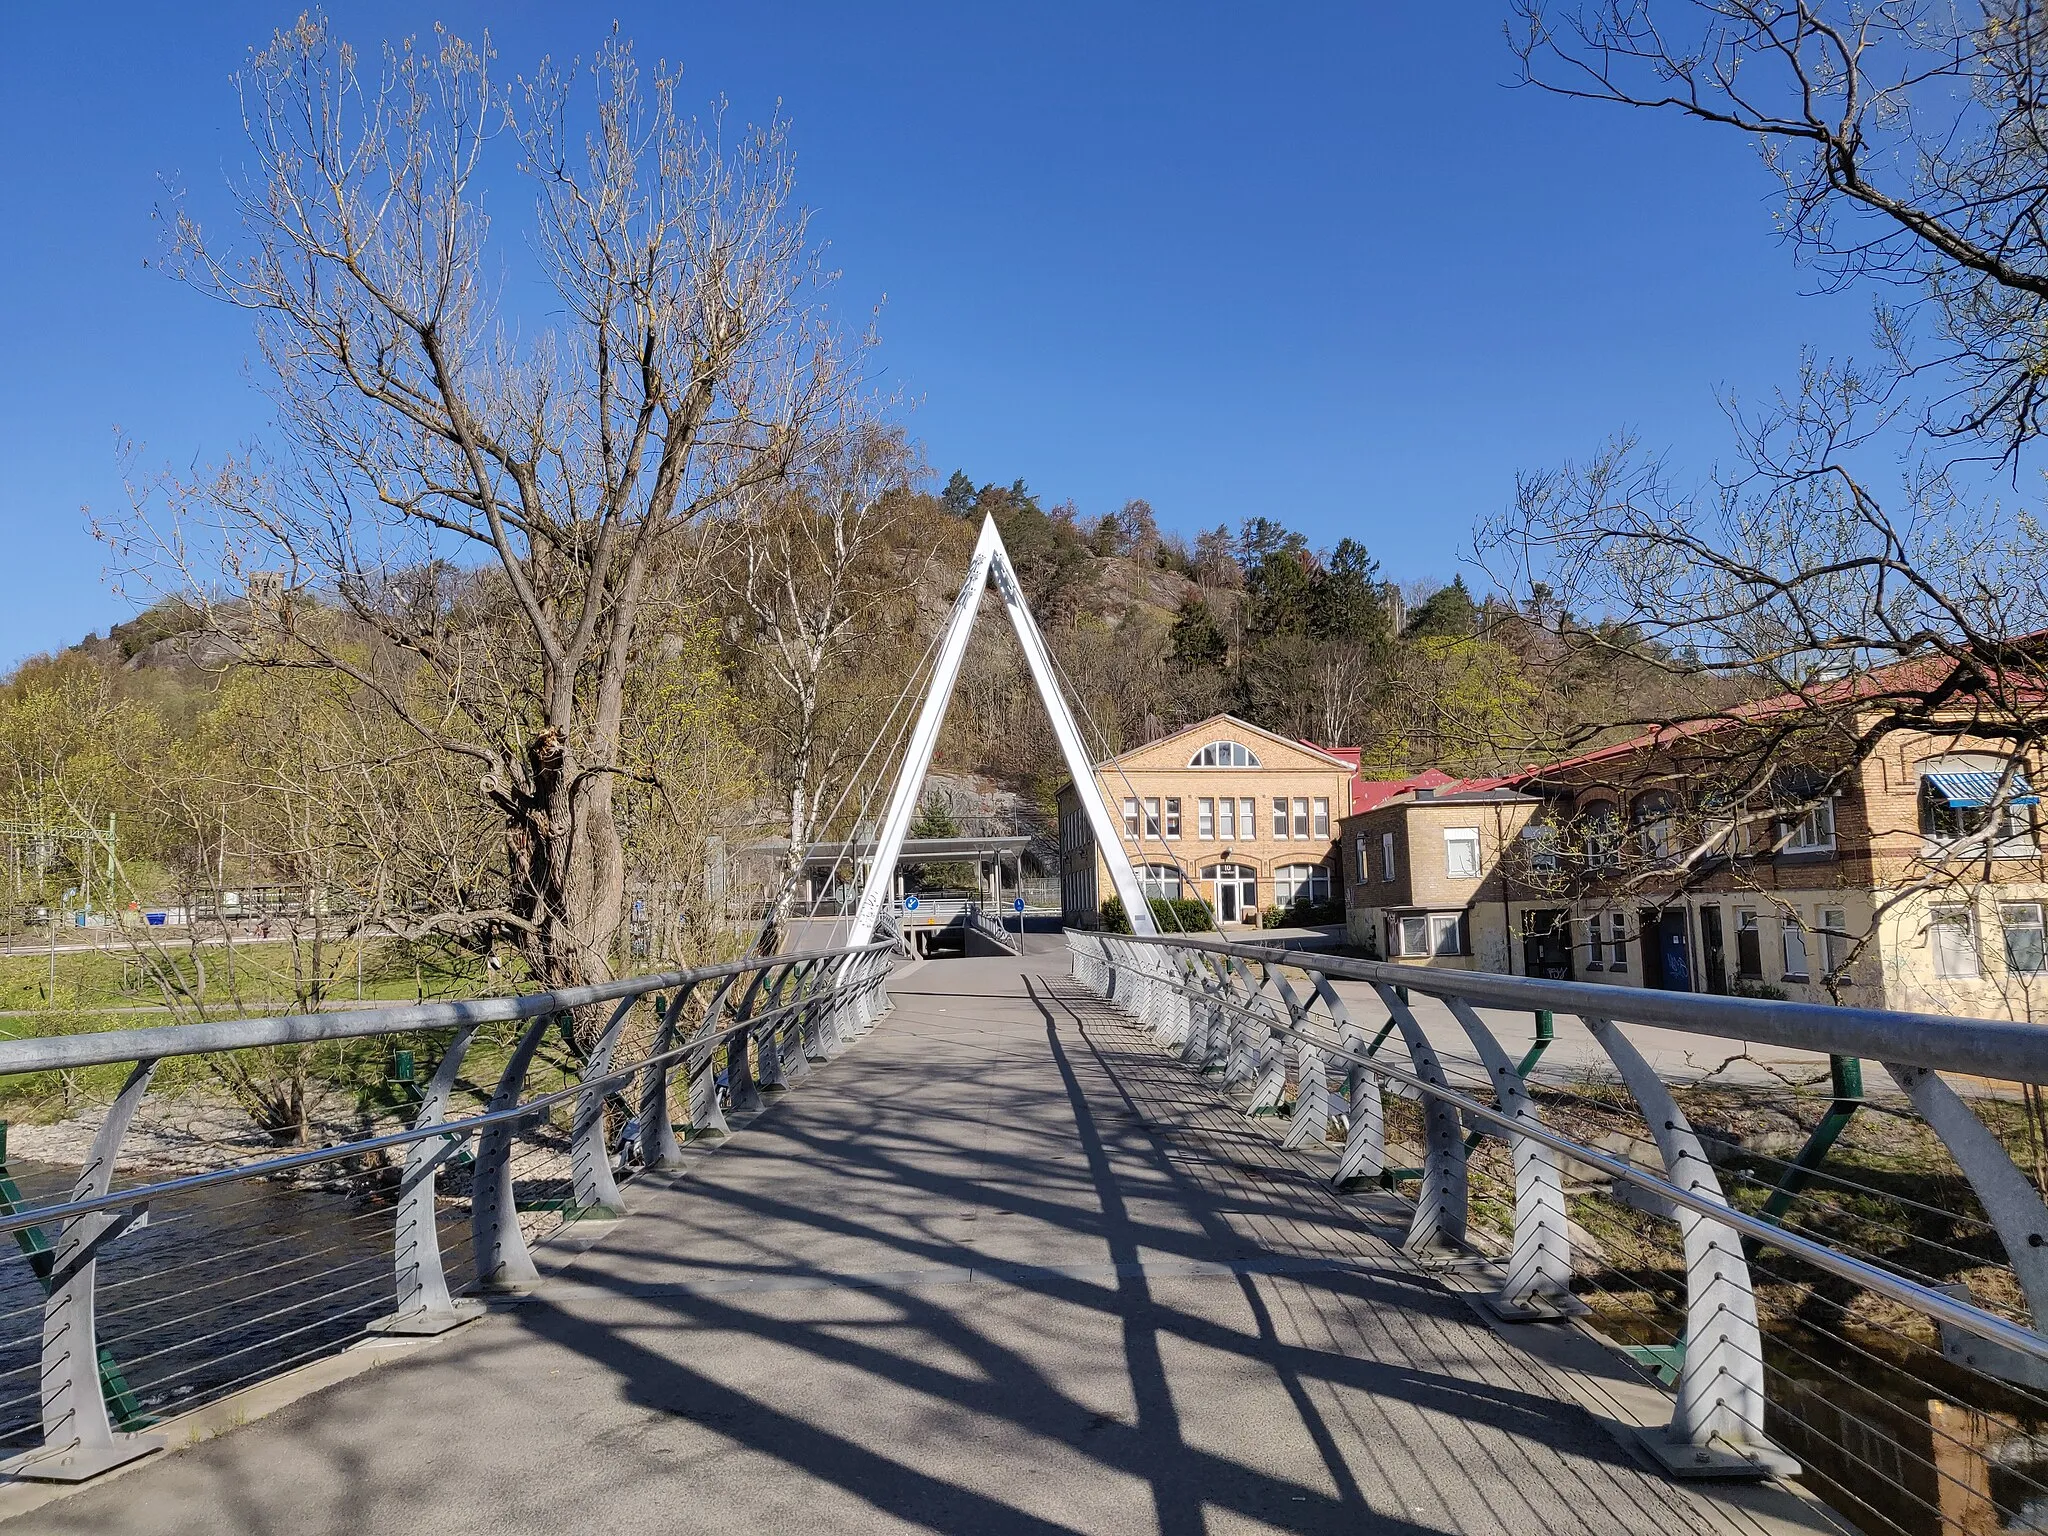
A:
<point x="1233" y="891"/>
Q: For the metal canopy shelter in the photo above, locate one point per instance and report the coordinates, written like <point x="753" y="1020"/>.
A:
<point x="991" y="567"/>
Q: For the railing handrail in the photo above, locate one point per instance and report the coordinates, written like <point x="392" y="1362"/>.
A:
<point x="55" y="1053"/>
<point x="1994" y="1048"/>
<point x="453" y="1130"/>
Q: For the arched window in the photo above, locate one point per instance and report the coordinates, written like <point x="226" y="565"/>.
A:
<point x="1225" y="754"/>
<point x="1301" y="885"/>
<point x="1161" y="881"/>
<point x="1962" y="794"/>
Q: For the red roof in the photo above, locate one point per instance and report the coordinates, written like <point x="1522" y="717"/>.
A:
<point x="1367" y="793"/>
<point x="1910" y="676"/>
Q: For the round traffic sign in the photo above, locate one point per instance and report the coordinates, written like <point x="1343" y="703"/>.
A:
<point x="910" y="903"/>
<point x="1017" y="905"/>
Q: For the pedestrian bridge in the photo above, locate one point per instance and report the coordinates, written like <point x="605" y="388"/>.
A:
<point x="1010" y="1244"/>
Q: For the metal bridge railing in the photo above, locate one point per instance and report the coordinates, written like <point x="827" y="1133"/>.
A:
<point x="1880" y="1294"/>
<point x="765" y="1019"/>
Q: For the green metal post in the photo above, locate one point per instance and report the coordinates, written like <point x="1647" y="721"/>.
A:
<point x="1845" y="1074"/>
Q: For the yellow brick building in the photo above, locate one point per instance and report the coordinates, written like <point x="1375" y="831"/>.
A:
<point x="1238" y="816"/>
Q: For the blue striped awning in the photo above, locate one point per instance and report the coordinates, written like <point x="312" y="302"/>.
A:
<point x="1980" y="789"/>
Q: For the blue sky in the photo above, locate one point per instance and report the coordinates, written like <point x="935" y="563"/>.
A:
<point x="1319" y="263"/>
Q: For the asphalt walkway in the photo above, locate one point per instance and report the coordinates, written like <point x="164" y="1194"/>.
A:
<point x="1002" y="1267"/>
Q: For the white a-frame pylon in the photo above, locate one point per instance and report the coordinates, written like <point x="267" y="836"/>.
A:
<point x="991" y="567"/>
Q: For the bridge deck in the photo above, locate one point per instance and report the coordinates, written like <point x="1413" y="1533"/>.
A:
<point x="1003" y="1267"/>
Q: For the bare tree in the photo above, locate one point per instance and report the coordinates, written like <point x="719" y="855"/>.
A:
<point x="818" y="566"/>
<point x="417" y="431"/>
<point x="1911" y="137"/>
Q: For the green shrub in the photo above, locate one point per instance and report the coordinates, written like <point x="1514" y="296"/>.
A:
<point x="1302" y="915"/>
<point x="1762" y="989"/>
<point x="1185" y="914"/>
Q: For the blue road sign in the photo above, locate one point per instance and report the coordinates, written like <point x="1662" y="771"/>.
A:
<point x="1017" y="905"/>
<point x="910" y="903"/>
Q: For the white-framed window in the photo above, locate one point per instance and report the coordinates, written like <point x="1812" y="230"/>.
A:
<point x="1161" y="882"/>
<point x="1617" y="941"/>
<point x="1749" y="945"/>
<point x="1421" y="934"/>
<point x="1461" y="853"/>
<point x="1835" y="944"/>
<point x="1321" y="815"/>
<point x="1387" y="857"/>
<point x="1813" y="831"/>
<point x="2025" y="953"/>
<point x="1603" y="835"/>
<point x="1952" y="936"/>
<point x="1301" y="818"/>
<point x="1358" y="861"/>
<point x="1173" y="815"/>
<point x="1977" y="798"/>
<point x="1596" y="942"/>
<point x="1541" y="841"/>
<point x="1248" y="819"/>
<point x="1225" y="754"/>
<point x="1152" y="817"/>
<point x="1205" y="817"/>
<point x="1130" y="818"/>
<point x="1226" y="819"/>
<point x="1294" y="883"/>
<point x="1279" y="815"/>
<point x="1792" y="937"/>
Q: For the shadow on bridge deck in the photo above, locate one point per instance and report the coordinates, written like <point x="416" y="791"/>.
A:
<point x="1004" y="1268"/>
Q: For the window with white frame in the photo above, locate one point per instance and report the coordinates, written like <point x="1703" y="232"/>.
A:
<point x="1952" y="937"/>
<point x="1226" y="819"/>
<point x="1297" y="884"/>
<point x="1173" y="815"/>
<point x="1358" y="862"/>
<point x="1617" y="941"/>
<point x="1811" y="830"/>
<point x="1161" y="882"/>
<point x="1423" y="934"/>
<point x="1792" y="935"/>
<point x="1539" y="841"/>
<point x="1603" y="834"/>
<point x="1461" y="853"/>
<point x="1248" y="819"/>
<point x="1301" y="818"/>
<point x="1320" y="813"/>
<point x="2025" y="954"/>
<point x="1130" y="818"/>
<point x="1835" y="944"/>
<point x="1596" y="942"/>
<point x="1205" y="817"/>
<point x="1152" y="817"/>
<point x="1225" y="754"/>
<point x="1976" y="798"/>
<point x="1387" y="857"/>
<point x="1279" y="815"/>
<point x="1653" y="818"/>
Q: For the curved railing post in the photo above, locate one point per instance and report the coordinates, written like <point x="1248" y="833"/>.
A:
<point x="2013" y="1206"/>
<point x="1365" y="1112"/>
<point x="1310" y="1124"/>
<point x="79" y="1440"/>
<point x="740" y="1085"/>
<point x="1539" y="1278"/>
<point x="590" y="1154"/>
<point x="503" y="1261"/>
<point x="658" y="1145"/>
<point x="1721" y="1384"/>
<point x="1440" y="1207"/>
<point x="424" y="1305"/>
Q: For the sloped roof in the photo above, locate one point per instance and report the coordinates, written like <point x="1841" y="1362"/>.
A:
<point x="1204" y="729"/>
